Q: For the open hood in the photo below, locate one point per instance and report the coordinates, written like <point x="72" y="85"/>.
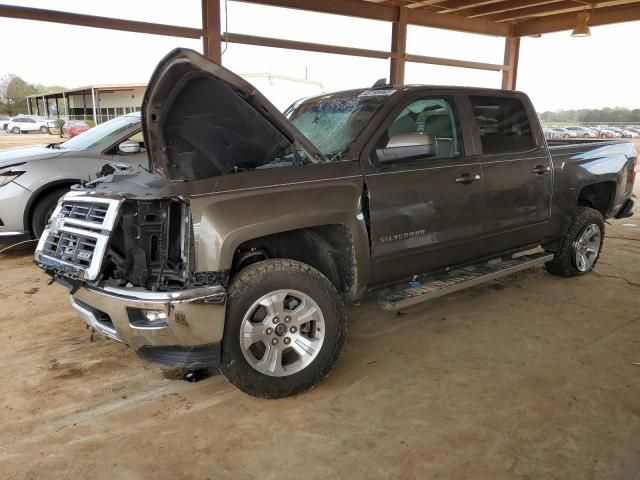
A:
<point x="200" y="120"/>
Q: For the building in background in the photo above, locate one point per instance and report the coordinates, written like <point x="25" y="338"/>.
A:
<point x="104" y="102"/>
<point x="93" y="102"/>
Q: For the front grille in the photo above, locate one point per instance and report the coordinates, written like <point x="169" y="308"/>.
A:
<point x="86" y="211"/>
<point x="76" y="238"/>
<point x="70" y="247"/>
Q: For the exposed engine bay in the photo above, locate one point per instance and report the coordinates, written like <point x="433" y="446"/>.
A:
<point x="123" y="240"/>
<point x="150" y="246"/>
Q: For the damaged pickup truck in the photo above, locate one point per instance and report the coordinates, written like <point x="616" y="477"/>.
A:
<point x="240" y="245"/>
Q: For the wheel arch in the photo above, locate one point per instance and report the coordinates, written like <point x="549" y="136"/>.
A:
<point x="599" y="196"/>
<point x="39" y="194"/>
<point x="288" y="222"/>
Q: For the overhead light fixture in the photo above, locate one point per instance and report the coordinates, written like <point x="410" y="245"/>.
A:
<point x="582" y="29"/>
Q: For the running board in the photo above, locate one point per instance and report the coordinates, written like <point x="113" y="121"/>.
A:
<point x="417" y="292"/>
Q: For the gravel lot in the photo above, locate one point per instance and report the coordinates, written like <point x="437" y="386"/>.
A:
<point x="530" y="377"/>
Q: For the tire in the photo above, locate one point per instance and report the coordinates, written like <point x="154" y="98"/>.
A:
<point x="44" y="129"/>
<point x="15" y="130"/>
<point x="241" y="363"/>
<point x="43" y="210"/>
<point x="565" y="262"/>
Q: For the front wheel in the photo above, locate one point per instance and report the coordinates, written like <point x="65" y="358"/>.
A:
<point x="581" y="245"/>
<point x="44" y="129"/>
<point x="285" y="328"/>
<point x="15" y="130"/>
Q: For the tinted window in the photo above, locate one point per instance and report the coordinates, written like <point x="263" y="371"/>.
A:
<point x="436" y="116"/>
<point x="503" y="124"/>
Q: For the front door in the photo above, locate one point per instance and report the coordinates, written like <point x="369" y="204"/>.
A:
<point x="516" y="170"/>
<point x="426" y="212"/>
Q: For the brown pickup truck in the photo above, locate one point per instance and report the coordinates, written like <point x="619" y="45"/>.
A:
<point x="240" y="245"/>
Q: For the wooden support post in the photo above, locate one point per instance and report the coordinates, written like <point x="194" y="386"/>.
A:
<point x="211" y="40"/>
<point x="511" y="57"/>
<point x="398" y="47"/>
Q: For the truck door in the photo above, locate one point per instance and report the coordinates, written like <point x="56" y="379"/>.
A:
<point x="426" y="209"/>
<point x="516" y="170"/>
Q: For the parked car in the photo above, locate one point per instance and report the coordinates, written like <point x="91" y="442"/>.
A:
<point x="4" y="121"/>
<point x="619" y="132"/>
<point x="563" y="132"/>
<point x="33" y="178"/>
<point x="29" y="124"/>
<point x="239" y="243"/>
<point x="551" y="133"/>
<point x="71" y="128"/>
<point x="607" y="133"/>
<point x="582" y="132"/>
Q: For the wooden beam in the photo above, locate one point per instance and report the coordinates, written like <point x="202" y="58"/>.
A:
<point x="511" y="58"/>
<point x="43" y="15"/>
<point x="350" y="8"/>
<point x="458" y="23"/>
<point x="502" y="7"/>
<point x="450" y="6"/>
<point x="375" y="11"/>
<point x="211" y="44"/>
<point x="306" y="46"/>
<point x="540" y="11"/>
<point x="567" y="21"/>
<point x="398" y="48"/>
<point x="448" y="62"/>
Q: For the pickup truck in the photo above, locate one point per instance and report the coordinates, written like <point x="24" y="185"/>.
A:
<point x="240" y="245"/>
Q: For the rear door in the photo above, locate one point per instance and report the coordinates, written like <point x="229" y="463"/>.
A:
<point x="425" y="214"/>
<point x="516" y="170"/>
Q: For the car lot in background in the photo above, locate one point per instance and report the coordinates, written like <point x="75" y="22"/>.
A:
<point x="71" y="128"/>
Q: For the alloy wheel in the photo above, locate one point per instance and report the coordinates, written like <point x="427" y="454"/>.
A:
<point x="586" y="247"/>
<point x="282" y="333"/>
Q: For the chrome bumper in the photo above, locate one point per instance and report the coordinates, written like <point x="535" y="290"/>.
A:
<point x="193" y="317"/>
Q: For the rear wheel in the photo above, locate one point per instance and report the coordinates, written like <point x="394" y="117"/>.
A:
<point x="581" y="245"/>
<point x="43" y="210"/>
<point x="284" y="331"/>
<point x="44" y="129"/>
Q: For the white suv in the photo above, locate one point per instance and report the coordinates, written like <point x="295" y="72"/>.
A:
<point x="29" y="124"/>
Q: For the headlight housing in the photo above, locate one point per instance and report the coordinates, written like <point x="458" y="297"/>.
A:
<point x="8" y="177"/>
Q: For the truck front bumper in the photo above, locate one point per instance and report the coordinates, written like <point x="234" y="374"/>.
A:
<point x="182" y="328"/>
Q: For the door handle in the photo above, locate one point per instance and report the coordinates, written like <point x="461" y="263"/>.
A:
<point x="540" y="170"/>
<point x="466" y="178"/>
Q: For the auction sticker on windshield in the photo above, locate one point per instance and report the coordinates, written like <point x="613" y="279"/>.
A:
<point x="374" y="93"/>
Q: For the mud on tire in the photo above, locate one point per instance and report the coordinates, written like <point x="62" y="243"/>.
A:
<point x="563" y="263"/>
<point x="266" y="278"/>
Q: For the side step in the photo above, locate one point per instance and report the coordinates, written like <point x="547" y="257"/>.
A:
<point x="404" y="295"/>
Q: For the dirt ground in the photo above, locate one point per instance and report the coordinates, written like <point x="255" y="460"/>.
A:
<point x="10" y="140"/>
<point x="530" y="377"/>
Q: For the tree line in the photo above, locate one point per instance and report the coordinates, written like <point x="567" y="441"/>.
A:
<point x="14" y="91"/>
<point x="602" y="115"/>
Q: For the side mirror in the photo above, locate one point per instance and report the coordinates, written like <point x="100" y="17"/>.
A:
<point x="129" y="147"/>
<point x="407" y="147"/>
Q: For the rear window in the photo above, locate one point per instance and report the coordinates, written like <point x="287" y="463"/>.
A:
<point x="503" y="124"/>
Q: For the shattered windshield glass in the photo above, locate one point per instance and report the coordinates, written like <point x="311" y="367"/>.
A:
<point x="333" y="122"/>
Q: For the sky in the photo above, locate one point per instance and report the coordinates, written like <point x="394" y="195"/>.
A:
<point x="556" y="70"/>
